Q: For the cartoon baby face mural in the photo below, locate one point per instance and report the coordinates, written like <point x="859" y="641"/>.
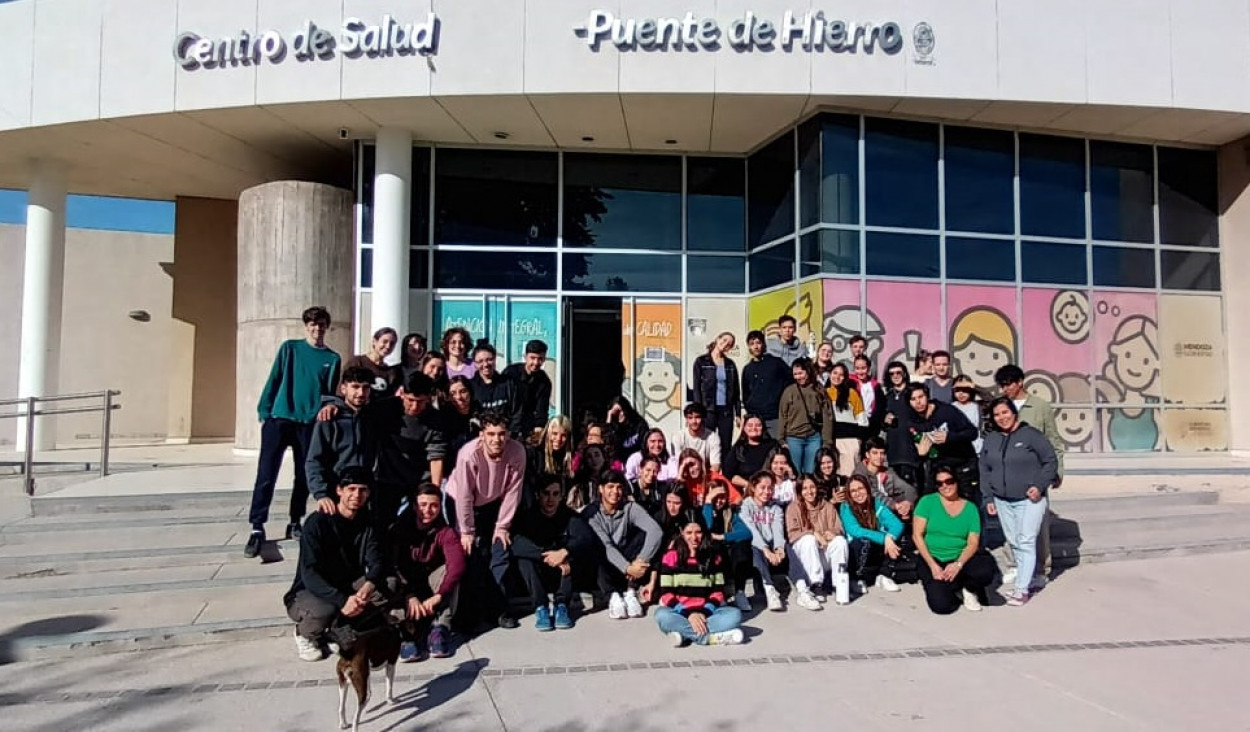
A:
<point x="1069" y="315"/>
<point x="982" y="340"/>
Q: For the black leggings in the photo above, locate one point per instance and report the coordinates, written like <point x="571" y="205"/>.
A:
<point x="945" y="598"/>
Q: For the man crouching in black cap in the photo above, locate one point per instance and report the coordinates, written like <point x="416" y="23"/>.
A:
<point x="533" y="391"/>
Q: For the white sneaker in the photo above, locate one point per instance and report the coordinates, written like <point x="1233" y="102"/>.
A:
<point x="1037" y="583"/>
<point x="725" y="638"/>
<point x="676" y="639"/>
<point x="808" y="601"/>
<point x="616" y="607"/>
<point x="887" y="584"/>
<point x="774" y="598"/>
<point x="307" y="648"/>
<point x="742" y="601"/>
<point x="1009" y="576"/>
<point x="971" y="603"/>
<point x="633" y="608"/>
<point x="860" y="587"/>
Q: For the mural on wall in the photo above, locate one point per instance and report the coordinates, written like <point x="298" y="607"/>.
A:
<point x="1126" y="349"/>
<point x="910" y="318"/>
<point x="843" y="318"/>
<point x="652" y="338"/>
<point x="764" y="311"/>
<point x="1056" y="347"/>
<point x="1192" y="347"/>
<point x="983" y="336"/>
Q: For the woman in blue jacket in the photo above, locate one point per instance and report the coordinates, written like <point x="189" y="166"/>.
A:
<point x="726" y="528"/>
<point x="874" y="532"/>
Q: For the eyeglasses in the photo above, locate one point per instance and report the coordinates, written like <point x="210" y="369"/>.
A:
<point x="948" y="481"/>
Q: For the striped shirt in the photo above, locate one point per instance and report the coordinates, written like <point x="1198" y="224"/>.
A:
<point x="686" y="588"/>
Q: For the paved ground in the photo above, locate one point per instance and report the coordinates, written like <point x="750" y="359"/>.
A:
<point x="1153" y="644"/>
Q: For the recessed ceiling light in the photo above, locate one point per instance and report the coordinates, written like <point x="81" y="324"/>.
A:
<point x="587" y="138"/>
<point x="502" y="135"/>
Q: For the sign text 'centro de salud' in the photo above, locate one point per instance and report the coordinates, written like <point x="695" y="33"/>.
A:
<point x="309" y="42"/>
<point x="809" y="31"/>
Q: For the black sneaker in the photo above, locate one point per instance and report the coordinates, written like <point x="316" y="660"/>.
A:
<point x="294" y="530"/>
<point x="253" y="544"/>
<point x="508" y="622"/>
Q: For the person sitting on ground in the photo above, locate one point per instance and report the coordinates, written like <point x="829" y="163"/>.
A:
<point x="691" y="604"/>
<point x="486" y="490"/>
<point x="947" y="534"/>
<point x="692" y="475"/>
<point x="695" y="436"/>
<point x="340" y="569"/>
<point x="655" y="445"/>
<point x="386" y="378"/>
<point x="629" y="538"/>
<point x="806" y="416"/>
<point x="818" y="549"/>
<point x="784" y="474"/>
<point x="533" y="390"/>
<point x="550" y="541"/>
<point x="850" y="420"/>
<point x="829" y="483"/>
<point x="749" y="454"/>
<point x="766" y="521"/>
<point x="429" y="564"/>
<point x="1018" y="468"/>
<point x="550" y="457"/>
<point x="726" y="528"/>
<point x="592" y="470"/>
<point x="874" y="536"/>
<point x="898" y="494"/>
<point x="595" y="433"/>
<point x="647" y="490"/>
<point x="627" y="429"/>
<point x="341" y="442"/>
<point x="668" y="516"/>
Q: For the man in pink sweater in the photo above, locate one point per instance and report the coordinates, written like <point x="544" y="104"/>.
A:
<point x="485" y="489"/>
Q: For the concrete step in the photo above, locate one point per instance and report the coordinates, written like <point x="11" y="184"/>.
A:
<point x="141" y="581"/>
<point x="1232" y="520"/>
<point x="1065" y="504"/>
<point x="228" y="502"/>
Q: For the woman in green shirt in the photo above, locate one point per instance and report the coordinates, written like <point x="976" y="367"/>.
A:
<point x="947" y="532"/>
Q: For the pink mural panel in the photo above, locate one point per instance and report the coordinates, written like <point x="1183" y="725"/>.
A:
<point x="843" y="317"/>
<point x="1057" y="350"/>
<point x="982" y="335"/>
<point x="910" y="318"/>
<point x="1126" y="359"/>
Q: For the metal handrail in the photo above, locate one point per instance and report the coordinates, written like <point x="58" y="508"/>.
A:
<point x="31" y="411"/>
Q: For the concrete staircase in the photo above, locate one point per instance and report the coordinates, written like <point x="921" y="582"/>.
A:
<point x="127" y="572"/>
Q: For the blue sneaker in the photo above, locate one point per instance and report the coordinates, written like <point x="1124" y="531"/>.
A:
<point x="439" y="642"/>
<point x="542" y="619"/>
<point x="562" y="619"/>
<point x="408" y="652"/>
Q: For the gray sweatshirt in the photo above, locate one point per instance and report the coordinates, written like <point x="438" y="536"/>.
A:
<point x="767" y="524"/>
<point x="614" y="530"/>
<point x="1013" y="462"/>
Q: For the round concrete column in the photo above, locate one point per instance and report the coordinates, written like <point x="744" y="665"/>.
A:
<point x="392" y="226"/>
<point x="295" y="251"/>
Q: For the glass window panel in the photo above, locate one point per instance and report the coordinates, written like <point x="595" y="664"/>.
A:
<point x="980" y="166"/>
<point x="622" y="201"/>
<point x="622" y="272"/>
<point x="716" y="275"/>
<point x="772" y="266"/>
<point x="366" y="267"/>
<point x="1052" y="186"/>
<point x="1124" y="267"/>
<point x="901" y="168"/>
<point x="809" y="172"/>
<point x="980" y="259"/>
<point x="1121" y="191"/>
<point x="716" y="204"/>
<point x="902" y="255"/>
<point x="832" y="251"/>
<point x="365" y="197"/>
<point x="419" y="269"/>
<point x="1185" y="270"/>
<point x="770" y="192"/>
<point x="839" y="166"/>
<point x="420" y="203"/>
<point x="1050" y="263"/>
<point x="1188" y="198"/>
<point x="495" y="270"/>
<point x="496" y="198"/>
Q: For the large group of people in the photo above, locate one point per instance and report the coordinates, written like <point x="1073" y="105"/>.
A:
<point x="447" y="493"/>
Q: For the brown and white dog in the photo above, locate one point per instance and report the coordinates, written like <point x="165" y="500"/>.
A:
<point x="370" y="650"/>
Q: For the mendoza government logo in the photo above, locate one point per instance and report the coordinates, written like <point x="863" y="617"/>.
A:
<point x="924" y="42"/>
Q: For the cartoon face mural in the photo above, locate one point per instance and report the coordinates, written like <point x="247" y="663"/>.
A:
<point x="1070" y="317"/>
<point x="843" y="323"/>
<point x="1134" y="356"/>
<point x="658" y="383"/>
<point x="982" y="340"/>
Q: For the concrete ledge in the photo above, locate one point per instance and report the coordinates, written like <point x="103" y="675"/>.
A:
<point x="121" y="641"/>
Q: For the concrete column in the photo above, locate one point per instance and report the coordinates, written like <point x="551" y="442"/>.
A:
<point x="392" y="226"/>
<point x="295" y="251"/>
<point x="42" y="286"/>
<point x="1234" y="167"/>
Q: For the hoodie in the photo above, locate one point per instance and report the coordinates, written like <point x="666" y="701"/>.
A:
<point x="1012" y="462"/>
<point x="334" y="552"/>
<point x="533" y="398"/>
<point x="766" y="523"/>
<point x="340" y="443"/>
<point x="614" y="529"/>
<point x="787" y="352"/>
<point x="419" y="550"/>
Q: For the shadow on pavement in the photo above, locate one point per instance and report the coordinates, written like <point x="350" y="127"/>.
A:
<point x="45" y="628"/>
<point x="435" y="692"/>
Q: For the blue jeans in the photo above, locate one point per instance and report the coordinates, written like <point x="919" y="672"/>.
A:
<point x="803" y="452"/>
<point x="1022" y="522"/>
<point x="722" y="619"/>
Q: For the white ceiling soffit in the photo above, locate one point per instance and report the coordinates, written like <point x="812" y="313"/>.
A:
<point x="654" y="120"/>
<point x="570" y="118"/>
<point x="324" y="120"/>
<point x="743" y="122"/>
<point x="423" y="115"/>
<point x="505" y="120"/>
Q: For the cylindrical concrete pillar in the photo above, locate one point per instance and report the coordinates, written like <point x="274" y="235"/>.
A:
<point x="42" y="285"/>
<point x="392" y="227"/>
<point x="295" y="251"/>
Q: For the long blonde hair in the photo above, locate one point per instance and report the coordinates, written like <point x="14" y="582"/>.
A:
<point x="712" y="346"/>
<point x="565" y="469"/>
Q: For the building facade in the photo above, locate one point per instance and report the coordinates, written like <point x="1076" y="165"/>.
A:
<point x="1056" y="185"/>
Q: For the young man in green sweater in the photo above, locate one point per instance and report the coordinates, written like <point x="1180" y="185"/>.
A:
<point x="303" y="371"/>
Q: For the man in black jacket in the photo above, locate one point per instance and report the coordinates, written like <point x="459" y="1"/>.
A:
<point x="763" y="380"/>
<point x="494" y="391"/>
<point x="533" y="390"/>
<point x="944" y="438"/>
<point x="341" y="441"/>
<point x="340" y="569"/>
<point x="549" y="542"/>
<point x="411" y="447"/>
